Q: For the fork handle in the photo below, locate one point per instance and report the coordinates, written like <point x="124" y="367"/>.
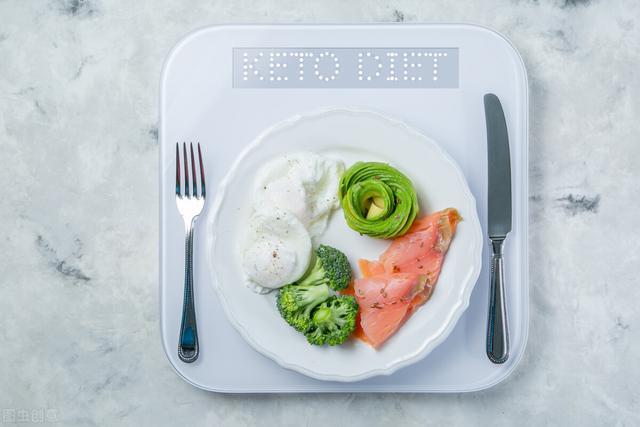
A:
<point x="188" y="349"/>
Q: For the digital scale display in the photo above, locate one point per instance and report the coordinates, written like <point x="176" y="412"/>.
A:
<point x="265" y="68"/>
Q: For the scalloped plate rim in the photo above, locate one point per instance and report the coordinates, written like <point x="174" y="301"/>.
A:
<point x="429" y="344"/>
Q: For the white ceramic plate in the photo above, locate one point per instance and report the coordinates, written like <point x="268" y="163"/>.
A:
<point x="349" y="135"/>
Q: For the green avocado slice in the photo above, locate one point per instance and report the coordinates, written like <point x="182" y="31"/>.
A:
<point x="378" y="200"/>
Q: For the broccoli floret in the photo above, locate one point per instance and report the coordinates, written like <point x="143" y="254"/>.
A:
<point x="333" y="321"/>
<point x="331" y="268"/>
<point x="296" y="302"/>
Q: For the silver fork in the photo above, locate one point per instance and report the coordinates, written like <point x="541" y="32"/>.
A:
<point x="190" y="204"/>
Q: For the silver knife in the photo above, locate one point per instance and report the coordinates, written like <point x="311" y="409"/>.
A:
<point x="499" y="225"/>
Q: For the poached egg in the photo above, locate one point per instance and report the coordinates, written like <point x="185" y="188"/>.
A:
<point x="294" y="196"/>
<point x="303" y="183"/>
<point x="277" y="252"/>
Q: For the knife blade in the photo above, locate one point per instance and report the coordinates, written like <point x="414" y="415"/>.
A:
<point x="499" y="200"/>
<point x="499" y="225"/>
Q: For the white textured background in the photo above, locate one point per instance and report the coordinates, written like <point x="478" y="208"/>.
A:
<point x="79" y="226"/>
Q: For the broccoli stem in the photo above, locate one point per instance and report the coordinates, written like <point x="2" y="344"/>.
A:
<point x="316" y="277"/>
<point x="322" y="314"/>
<point x="331" y="315"/>
<point x="314" y="296"/>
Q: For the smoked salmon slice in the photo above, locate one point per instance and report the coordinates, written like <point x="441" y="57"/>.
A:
<point x="370" y="268"/>
<point x="404" y="276"/>
<point x="384" y="303"/>
<point x="421" y="250"/>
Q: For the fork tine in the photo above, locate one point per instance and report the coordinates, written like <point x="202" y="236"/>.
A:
<point x="186" y="170"/>
<point x="202" y="186"/>
<point x="193" y="171"/>
<point x="178" y="170"/>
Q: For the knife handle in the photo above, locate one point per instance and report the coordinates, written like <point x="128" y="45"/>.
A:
<point x="497" y="328"/>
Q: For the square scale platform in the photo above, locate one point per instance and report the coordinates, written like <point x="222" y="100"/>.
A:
<point x="211" y="94"/>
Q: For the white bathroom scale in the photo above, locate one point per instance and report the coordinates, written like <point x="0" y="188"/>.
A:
<point x="223" y="86"/>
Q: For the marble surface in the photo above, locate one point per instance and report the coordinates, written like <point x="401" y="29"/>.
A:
<point x="79" y="226"/>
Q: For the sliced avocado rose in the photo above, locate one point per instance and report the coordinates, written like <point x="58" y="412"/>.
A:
<point x="377" y="200"/>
